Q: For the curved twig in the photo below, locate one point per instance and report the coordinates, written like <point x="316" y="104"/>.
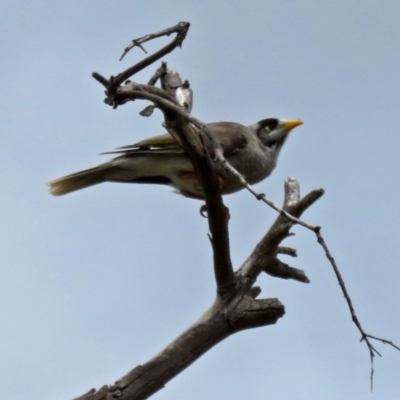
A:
<point x="364" y="336"/>
<point x="114" y="82"/>
<point x="181" y="29"/>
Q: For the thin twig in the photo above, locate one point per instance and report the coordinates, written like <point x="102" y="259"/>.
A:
<point x="166" y="32"/>
<point x="364" y="336"/>
<point x="384" y="341"/>
<point x="260" y="196"/>
<point x="113" y="83"/>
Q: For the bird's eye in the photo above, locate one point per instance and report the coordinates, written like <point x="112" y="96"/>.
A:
<point x="269" y="124"/>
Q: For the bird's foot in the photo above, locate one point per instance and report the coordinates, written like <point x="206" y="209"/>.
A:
<point x="203" y="212"/>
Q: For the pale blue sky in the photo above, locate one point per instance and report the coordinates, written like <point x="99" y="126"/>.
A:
<point x="96" y="282"/>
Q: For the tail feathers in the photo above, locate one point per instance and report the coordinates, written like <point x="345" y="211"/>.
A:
<point x="79" y="180"/>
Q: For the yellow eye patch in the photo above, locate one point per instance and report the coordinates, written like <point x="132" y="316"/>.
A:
<point x="267" y="128"/>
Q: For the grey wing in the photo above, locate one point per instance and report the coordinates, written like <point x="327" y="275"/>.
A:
<point x="231" y="135"/>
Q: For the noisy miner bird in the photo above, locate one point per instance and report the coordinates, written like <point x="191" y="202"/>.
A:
<point x="252" y="150"/>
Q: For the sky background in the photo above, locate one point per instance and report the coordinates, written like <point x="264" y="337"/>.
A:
<point x="96" y="282"/>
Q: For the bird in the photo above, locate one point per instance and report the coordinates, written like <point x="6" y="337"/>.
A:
<point x="252" y="150"/>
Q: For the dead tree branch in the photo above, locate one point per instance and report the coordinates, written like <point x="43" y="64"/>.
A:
<point x="113" y="83"/>
<point x="236" y="306"/>
<point x="225" y="317"/>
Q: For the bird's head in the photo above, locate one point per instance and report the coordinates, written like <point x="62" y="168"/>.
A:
<point x="273" y="132"/>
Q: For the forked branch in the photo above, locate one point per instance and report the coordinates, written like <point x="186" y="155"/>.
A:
<point x="226" y="316"/>
<point x="113" y="83"/>
<point x="235" y="307"/>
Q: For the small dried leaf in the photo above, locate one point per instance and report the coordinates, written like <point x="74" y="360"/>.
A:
<point x="147" y="112"/>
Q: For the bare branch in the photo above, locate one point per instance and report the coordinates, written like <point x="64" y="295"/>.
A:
<point x="293" y="208"/>
<point x="219" y="322"/>
<point x="218" y="216"/>
<point x="255" y="313"/>
<point x="176" y="120"/>
<point x="114" y="82"/>
<point x="236" y="307"/>
<point x="271" y="268"/>
<point x="181" y="28"/>
<point x="282" y="270"/>
<point x="287" y="251"/>
<point x="133" y="91"/>
<point x="263" y="257"/>
<point x="384" y="341"/>
<point x="364" y="336"/>
<point x="260" y="196"/>
<point x="228" y="315"/>
<point x="160" y="71"/>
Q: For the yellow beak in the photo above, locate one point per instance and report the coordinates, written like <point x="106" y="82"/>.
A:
<point x="292" y="124"/>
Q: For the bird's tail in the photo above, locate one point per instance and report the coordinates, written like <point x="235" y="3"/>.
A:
<point x="79" y="180"/>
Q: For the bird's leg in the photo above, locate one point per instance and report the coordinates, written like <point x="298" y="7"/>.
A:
<point x="191" y="175"/>
<point x="203" y="208"/>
